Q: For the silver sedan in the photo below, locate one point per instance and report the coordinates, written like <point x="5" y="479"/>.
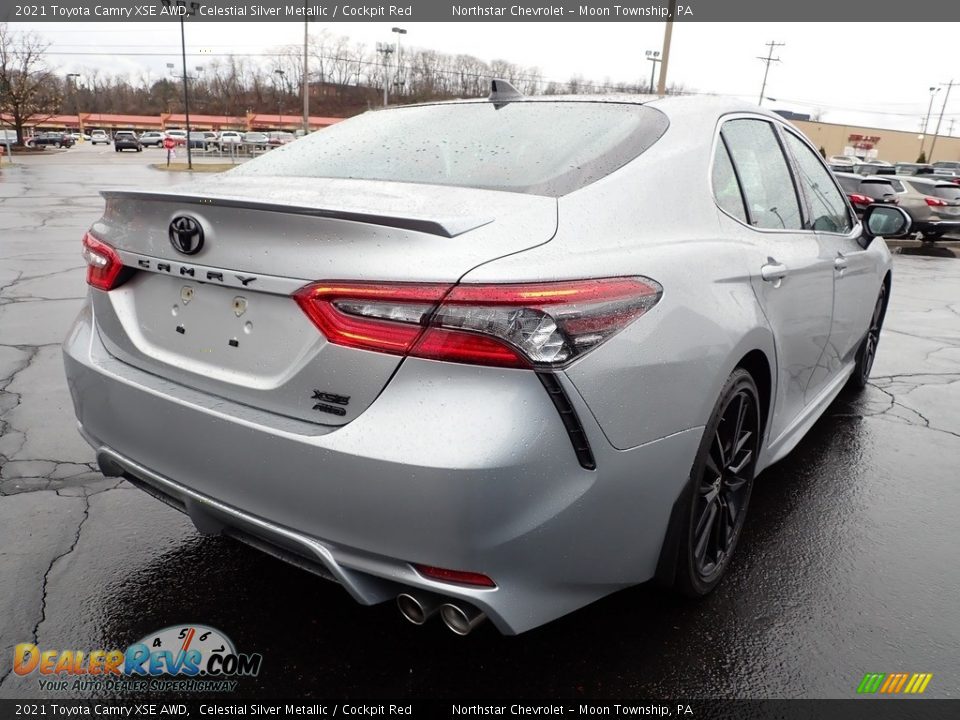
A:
<point x="492" y="359"/>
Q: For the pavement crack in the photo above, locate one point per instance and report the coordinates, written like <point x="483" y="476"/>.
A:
<point x="46" y="576"/>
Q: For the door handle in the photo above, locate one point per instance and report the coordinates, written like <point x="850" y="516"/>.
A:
<point x="773" y="271"/>
<point x="839" y="263"/>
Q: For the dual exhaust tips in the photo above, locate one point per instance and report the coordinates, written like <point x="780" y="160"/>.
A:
<point x="461" y="619"/>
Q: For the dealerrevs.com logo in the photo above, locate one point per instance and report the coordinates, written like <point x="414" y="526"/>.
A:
<point x="188" y="658"/>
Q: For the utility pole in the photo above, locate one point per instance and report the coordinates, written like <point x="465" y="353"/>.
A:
<point x="766" y="61"/>
<point x="667" y="37"/>
<point x="305" y="81"/>
<point x="181" y="6"/>
<point x="926" y="122"/>
<point x="946" y="97"/>
<point x="654" y="57"/>
<point x="385" y="49"/>
<point x="396" y="77"/>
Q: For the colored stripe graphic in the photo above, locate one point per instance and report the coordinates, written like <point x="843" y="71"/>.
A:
<point x="894" y="683"/>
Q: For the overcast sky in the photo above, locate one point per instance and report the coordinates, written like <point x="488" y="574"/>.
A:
<point x="867" y="73"/>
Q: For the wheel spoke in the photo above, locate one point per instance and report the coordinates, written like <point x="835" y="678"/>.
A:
<point x="703" y="538"/>
<point x="719" y="445"/>
<point x="745" y="460"/>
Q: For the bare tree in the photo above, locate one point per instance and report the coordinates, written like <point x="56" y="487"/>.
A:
<point x="29" y="91"/>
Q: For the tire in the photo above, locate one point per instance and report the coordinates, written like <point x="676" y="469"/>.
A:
<point x="721" y="482"/>
<point x="867" y="351"/>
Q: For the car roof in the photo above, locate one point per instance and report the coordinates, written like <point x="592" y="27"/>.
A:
<point x="707" y="108"/>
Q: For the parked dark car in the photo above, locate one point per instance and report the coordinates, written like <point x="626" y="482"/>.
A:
<point x="126" y="140"/>
<point x="56" y="139"/>
<point x="912" y="168"/>
<point x="865" y="191"/>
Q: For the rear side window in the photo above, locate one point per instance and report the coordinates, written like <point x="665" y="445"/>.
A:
<point x="726" y="189"/>
<point x="541" y="148"/>
<point x="764" y="174"/>
<point x="877" y="189"/>
<point x="826" y="204"/>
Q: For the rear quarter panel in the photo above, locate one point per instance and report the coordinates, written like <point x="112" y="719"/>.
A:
<point x="654" y="217"/>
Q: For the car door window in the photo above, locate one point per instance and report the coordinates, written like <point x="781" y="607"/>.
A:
<point x="764" y="175"/>
<point x="726" y="189"/>
<point x="827" y="208"/>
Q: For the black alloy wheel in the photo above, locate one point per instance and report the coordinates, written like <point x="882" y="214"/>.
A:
<point x="868" y="347"/>
<point x="721" y="483"/>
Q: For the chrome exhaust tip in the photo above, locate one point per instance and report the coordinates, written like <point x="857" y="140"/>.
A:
<point x="417" y="609"/>
<point x="461" y="620"/>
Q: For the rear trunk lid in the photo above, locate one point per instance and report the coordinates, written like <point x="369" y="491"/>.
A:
<point x="222" y="320"/>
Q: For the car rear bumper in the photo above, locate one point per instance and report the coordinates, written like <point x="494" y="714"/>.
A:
<point x="453" y="466"/>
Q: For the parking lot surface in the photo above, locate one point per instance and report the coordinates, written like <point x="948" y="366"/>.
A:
<point x="847" y="564"/>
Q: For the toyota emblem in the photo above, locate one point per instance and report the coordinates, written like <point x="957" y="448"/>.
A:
<point x="186" y="235"/>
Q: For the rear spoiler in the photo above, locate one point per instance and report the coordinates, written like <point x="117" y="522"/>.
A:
<point x="442" y="227"/>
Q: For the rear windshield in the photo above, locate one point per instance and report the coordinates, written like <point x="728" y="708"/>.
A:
<point x="849" y="184"/>
<point x="876" y="189"/>
<point x="540" y="148"/>
<point x="947" y="192"/>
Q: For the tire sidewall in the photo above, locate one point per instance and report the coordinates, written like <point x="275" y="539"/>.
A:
<point x="688" y="578"/>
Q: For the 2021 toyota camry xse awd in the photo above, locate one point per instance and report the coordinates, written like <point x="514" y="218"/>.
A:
<point x="493" y="358"/>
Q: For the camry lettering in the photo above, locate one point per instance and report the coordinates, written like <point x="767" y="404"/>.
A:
<point x="192" y="271"/>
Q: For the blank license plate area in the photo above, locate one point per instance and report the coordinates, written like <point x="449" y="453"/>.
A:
<point x="209" y="328"/>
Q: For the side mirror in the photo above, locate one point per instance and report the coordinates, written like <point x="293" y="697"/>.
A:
<point x="885" y="221"/>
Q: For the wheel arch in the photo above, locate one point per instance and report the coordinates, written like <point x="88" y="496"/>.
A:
<point x="757" y="361"/>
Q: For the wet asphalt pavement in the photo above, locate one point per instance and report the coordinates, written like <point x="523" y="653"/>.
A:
<point x="848" y="563"/>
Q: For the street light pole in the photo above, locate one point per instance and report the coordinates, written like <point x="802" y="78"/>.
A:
<point x="399" y="32"/>
<point x="76" y="101"/>
<point x="280" y="75"/>
<point x="306" y="75"/>
<point x="194" y="6"/>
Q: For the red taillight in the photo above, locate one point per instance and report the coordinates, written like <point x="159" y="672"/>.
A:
<point x="935" y="202"/>
<point x="104" y="266"/>
<point x="455" y="576"/>
<point x="858" y="199"/>
<point x="517" y="325"/>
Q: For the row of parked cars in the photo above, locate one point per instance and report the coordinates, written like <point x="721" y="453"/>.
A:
<point x="929" y="193"/>
<point x="225" y="140"/>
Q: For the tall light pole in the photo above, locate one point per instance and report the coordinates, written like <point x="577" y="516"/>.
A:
<point x="181" y="6"/>
<point x="926" y="122"/>
<point x="305" y="81"/>
<point x="280" y="75"/>
<point x="76" y="101"/>
<point x="396" y="78"/>
<point x="654" y="57"/>
<point x="767" y="62"/>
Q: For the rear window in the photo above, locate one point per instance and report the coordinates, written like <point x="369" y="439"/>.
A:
<point x="876" y="189"/>
<point x="848" y="184"/>
<point x="947" y="192"/>
<point x="541" y="148"/>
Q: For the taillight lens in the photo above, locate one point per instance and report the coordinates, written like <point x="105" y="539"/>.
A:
<point x="104" y="266"/>
<point x="517" y="325"/>
<point x="935" y="202"/>
<point x="858" y="199"/>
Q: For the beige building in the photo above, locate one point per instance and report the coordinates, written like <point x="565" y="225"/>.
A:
<point x="890" y="145"/>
